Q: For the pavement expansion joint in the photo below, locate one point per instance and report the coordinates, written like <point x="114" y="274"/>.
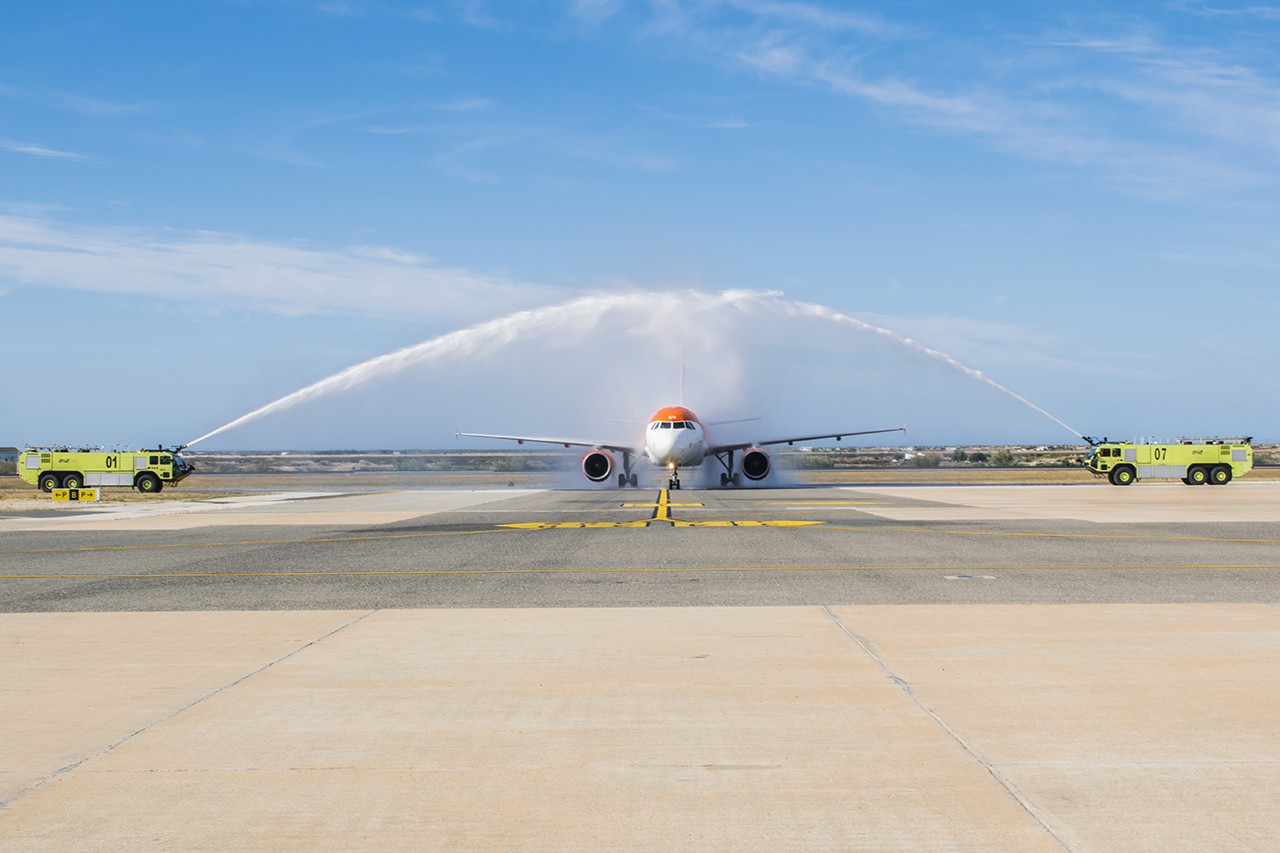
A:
<point x="906" y="687"/>
<point x="167" y="717"/>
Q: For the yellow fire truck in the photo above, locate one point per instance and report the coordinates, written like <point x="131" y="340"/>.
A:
<point x="76" y="467"/>
<point x="1195" y="460"/>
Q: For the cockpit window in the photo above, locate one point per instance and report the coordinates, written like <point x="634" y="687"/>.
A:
<point x="678" y="425"/>
<point x="666" y="425"/>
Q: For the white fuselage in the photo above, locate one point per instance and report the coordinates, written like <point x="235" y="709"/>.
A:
<point x="674" y="438"/>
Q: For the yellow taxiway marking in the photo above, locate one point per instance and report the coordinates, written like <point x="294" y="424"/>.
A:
<point x="785" y="523"/>
<point x="1053" y="535"/>
<point x="260" y="542"/>
<point x="664" y="501"/>
<point x="573" y="525"/>
<point x="664" y="569"/>
<point x="662" y="512"/>
<point x="822" y="503"/>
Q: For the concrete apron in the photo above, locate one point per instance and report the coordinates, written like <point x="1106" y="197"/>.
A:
<point x="974" y="728"/>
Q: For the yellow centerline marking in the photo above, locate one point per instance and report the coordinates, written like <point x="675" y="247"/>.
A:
<point x="259" y="542"/>
<point x="822" y="503"/>
<point x="662" y="512"/>
<point x="577" y="525"/>
<point x="659" y="570"/>
<point x="1051" y="535"/>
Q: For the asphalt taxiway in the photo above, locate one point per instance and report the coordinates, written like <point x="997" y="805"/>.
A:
<point x="1007" y="668"/>
<point x="496" y="548"/>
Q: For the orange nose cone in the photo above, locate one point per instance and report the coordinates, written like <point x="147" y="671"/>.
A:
<point x="674" y="413"/>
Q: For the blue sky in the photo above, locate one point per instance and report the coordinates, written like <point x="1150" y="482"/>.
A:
<point x="221" y="203"/>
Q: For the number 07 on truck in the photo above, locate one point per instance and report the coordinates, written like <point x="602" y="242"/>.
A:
<point x="1195" y="461"/>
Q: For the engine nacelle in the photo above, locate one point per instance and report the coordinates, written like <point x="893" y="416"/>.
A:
<point x="755" y="463"/>
<point x="597" y="466"/>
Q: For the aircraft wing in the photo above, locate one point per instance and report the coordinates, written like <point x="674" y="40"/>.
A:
<point x="721" y="448"/>
<point x="567" y="442"/>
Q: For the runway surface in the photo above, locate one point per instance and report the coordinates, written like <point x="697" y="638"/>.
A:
<point x="960" y="669"/>
<point x="501" y="548"/>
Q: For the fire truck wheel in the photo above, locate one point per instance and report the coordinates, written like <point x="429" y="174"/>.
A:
<point x="149" y="483"/>
<point x="48" y="482"/>
<point x="72" y="481"/>
<point x="1197" y="476"/>
<point x="1220" y="475"/>
<point x="1122" y="476"/>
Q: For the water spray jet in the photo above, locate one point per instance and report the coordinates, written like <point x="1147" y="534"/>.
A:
<point x="656" y="311"/>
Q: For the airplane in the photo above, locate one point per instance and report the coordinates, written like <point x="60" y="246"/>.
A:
<point x="676" y="438"/>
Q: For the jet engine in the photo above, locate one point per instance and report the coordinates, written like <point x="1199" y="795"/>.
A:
<point x="598" y="465"/>
<point x="755" y="463"/>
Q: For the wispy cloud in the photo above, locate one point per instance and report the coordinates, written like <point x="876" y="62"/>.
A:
<point x="229" y="271"/>
<point x="732" y="123"/>
<point x="1156" y="117"/>
<point x="74" y="102"/>
<point x="41" y="151"/>
<point x="476" y="13"/>
<point x="1270" y="13"/>
<point x="1006" y="347"/>
<point x="465" y="105"/>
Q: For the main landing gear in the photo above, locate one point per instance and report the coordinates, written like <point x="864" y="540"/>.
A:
<point x="627" y="478"/>
<point x="728" y="476"/>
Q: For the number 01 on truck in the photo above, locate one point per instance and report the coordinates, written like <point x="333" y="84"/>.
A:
<point x="76" y="467"/>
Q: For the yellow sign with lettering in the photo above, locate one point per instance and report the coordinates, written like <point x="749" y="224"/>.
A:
<point x="75" y="494"/>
